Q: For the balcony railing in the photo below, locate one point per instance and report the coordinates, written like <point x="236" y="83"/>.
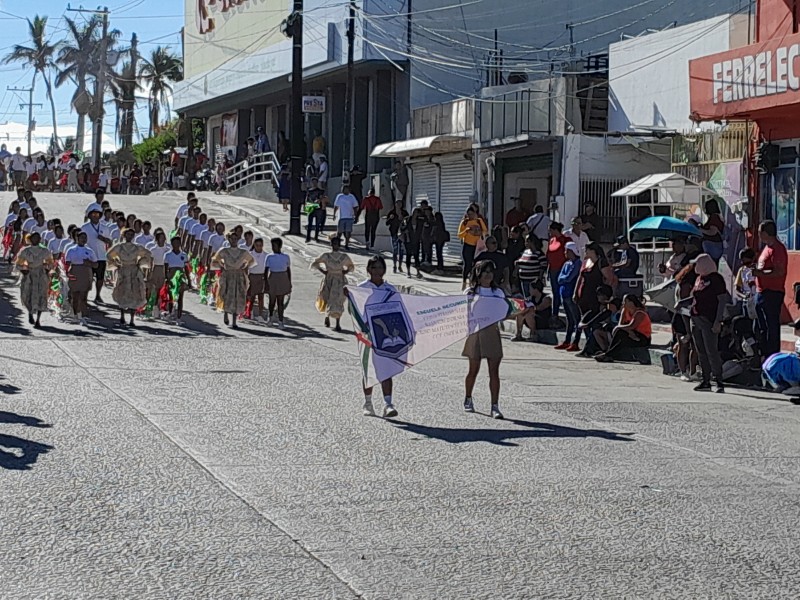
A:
<point x="711" y="147"/>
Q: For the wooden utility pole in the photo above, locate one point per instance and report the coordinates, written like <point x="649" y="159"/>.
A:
<point x="293" y="28"/>
<point x="30" y="106"/>
<point x="347" y="151"/>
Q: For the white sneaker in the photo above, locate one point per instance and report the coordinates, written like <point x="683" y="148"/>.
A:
<point x="156" y="313"/>
<point x="496" y="414"/>
<point x="368" y="411"/>
<point x="469" y="405"/>
<point x="281" y="325"/>
<point x="685" y="377"/>
<point x="389" y="411"/>
<point x="82" y="321"/>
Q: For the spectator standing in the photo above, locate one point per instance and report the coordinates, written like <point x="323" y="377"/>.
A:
<point x="400" y="181"/>
<point x="324" y="173"/>
<point x="555" y="260"/>
<point x="17" y="164"/>
<point x="578" y="235"/>
<point x="539" y="223"/>
<point x="394" y="221"/>
<point x="500" y="262"/>
<point x="531" y="266"/>
<point x="770" y="274"/>
<point x="422" y="216"/>
<point x="590" y="279"/>
<point x="283" y="148"/>
<point x="713" y="230"/>
<point x="567" y="280"/>
<point x="592" y="222"/>
<point x="440" y="237"/>
<point x="262" y="141"/>
<point x="709" y="298"/>
<point x="371" y="206"/>
<point x="285" y="187"/>
<point x="677" y="260"/>
<point x="357" y="177"/>
<point x="745" y="283"/>
<point x="517" y="214"/>
<point x="346" y="206"/>
<point x="627" y="264"/>
<point x="471" y="230"/>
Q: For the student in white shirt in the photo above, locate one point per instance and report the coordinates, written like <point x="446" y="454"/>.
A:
<point x="205" y="236"/>
<point x="174" y="261"/>
<point x="376" y="267"/>
<point x="578" y="235"/>
<point x="80" y="260"/>
<point x="187" y="225"/>
<point x="215" y="243"/>
<point x="279" y="280"/>
<point x="57" y="242"/>
<point x="145" y="238"/>
<point x="103" y="180"/>
<point x="183" y="209"/>
<point x="97" y="237"/>
<point x="158" y="274"/>
<point x="196" y="235"/>
<point x="258" y="280"/>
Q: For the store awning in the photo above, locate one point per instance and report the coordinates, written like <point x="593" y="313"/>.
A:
<point x="672" y="188"/>
<point x="425" y="146"/>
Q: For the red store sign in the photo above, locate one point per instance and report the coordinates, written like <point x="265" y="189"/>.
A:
<point x="742" y="82"/>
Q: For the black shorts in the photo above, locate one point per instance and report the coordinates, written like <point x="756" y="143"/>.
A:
<point x="100" y="271"/>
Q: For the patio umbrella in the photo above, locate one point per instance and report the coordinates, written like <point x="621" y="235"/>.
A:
<point x="663" y="228"/>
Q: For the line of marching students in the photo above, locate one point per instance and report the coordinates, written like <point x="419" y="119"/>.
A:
<point x="148" y="269"/>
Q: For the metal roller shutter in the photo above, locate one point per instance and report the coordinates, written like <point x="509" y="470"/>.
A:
<point x="425" y="184"/>
<point x="456" y="194"/>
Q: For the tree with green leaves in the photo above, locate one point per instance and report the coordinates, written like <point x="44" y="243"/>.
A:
<point x="40" y="56"/>
<point x="75" y="57"/>
<point x="157" y="74"/>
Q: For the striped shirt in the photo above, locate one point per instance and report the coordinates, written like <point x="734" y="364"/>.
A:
<point x="531" y="265"/>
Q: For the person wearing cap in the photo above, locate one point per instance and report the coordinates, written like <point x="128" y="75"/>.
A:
<point x="578" y="235"/>
<point x="567" y="280"/>
<point x="709" y="299"/>
<point x="97" y="237"/>
<point x="627" y="265"/>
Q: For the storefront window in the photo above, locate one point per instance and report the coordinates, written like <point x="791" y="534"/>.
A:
<point x="780" y="196"/>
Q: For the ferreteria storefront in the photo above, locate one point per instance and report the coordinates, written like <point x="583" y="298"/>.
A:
<point x="760" y="83"/>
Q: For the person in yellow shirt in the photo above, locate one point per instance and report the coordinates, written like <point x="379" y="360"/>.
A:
<point x="472" y="229"/>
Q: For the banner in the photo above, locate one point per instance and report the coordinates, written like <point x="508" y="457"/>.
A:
<point x="398" y="331"/>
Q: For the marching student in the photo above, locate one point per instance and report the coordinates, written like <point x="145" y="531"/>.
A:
<point x="35" y="263"/>
<point x="279" y="280"/>
<point x="331" y="297"/>
<point x="80" y="263"/>
<point x="130" y="292"/>
<point x="232" y="290"/>
<point x="376" y="268"/>
<point x="485" y="343"/>
<point x="258" y="280"/>
<point x="176" y="261"/>
<point x="158" y="274"/>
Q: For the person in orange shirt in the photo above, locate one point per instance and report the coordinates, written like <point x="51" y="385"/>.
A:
<point x="635" y="329"/>
<point x="471" y="230"/>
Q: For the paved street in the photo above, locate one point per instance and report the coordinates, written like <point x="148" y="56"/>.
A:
<point x="201" y="462"/>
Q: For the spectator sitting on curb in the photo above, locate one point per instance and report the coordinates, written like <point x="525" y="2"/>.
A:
<point x="539" y="315"/>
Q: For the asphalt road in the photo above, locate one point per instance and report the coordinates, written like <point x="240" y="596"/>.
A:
<point x="200" y="462"/>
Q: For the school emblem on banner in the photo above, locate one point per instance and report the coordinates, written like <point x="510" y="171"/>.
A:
<point x="391" y="329"/>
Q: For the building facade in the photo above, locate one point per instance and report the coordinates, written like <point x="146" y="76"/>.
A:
<point x="759" y="84"/>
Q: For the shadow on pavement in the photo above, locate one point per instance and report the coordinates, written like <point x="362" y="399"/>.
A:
<point x="500" y="437"/>
<point x="12" y="318"/>
<point x="8" y="388"/>
<point x="9" y="417"/>
<point x="18" y="454"/>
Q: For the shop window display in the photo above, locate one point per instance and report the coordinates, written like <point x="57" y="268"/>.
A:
<point x="780" y="203"/>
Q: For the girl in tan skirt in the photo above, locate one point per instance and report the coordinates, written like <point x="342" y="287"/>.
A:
<point x="232" y="291"/>
<point x="279" y="280"/>
<point x="486" y="343"/>
<point x="80" y="261"/>
<point x="258" y="280"/>
<point x="35" y="263"/>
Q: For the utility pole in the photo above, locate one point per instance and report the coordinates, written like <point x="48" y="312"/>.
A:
<point x="408" y="30"/>
<point x="347" y="153"/>
<point x="99" y="85"/>
<point x="30" y="106"/>
<point x="293" y="28"/>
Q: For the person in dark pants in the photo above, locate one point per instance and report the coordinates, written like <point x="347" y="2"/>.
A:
<point x="371" y="206"/>
<point x="471" y="230"/>
<point x="709" y="298"/>
<point x="440" y="237"/>
<point x="770" y="274"/>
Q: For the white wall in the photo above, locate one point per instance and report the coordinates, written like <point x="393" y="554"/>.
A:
<point x="616" y="158"/>
<point x="451" y="45"/>
<point x="649" y="75"/>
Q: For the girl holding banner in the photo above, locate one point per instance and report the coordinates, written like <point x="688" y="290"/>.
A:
<point x="485" y="343"/>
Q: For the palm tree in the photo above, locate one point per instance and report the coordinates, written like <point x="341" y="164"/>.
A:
<point x="157" y="73"/>
<point x="124" y="85"/>
<point x="75" y="58"/>
<point x="38" y="55"/>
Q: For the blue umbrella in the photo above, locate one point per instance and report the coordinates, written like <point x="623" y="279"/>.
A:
<point x="664" y="228"/>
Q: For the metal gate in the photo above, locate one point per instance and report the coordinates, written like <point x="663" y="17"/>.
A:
<point x="598" y="190"/>
<point x="425" y="184"/>
<point x="457" y="191"/>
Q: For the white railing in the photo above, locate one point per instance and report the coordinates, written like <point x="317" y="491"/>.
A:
<point x="259" y="167"/>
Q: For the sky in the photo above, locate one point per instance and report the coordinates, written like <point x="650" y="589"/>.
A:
<point x="155" y="22"/>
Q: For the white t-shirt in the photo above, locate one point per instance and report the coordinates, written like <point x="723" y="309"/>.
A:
<point x="261" y="262"/>
<point x="10" y="218"/>
<point x="184" y="221"/>
<point x="278" y="263"/>
<point x="56" y="245"/>
<point x="183" y="209"/>
<point x="48" y="235"/>
<point x="347" y="205"/>
<point x="205" y="236"/>
<point x="159" y="252"/>
<point x="78" y="255"/>
<point x="175" y="261"/>
<point x="102" y="181"/>
<point x="40" y="229"/>
<point x="539" y="224"/>
<point x="198" y="229"/>
<point x="92" y="231"/>
<point x="216" y="242"/>
<point x="114" y="233"/>
<point x="144" y="239"/>
<point x="486" y="292"/>
<point x="384" y="287"/>
<point x="30" y="168"/>
<point x="581" y="239"/>
<point x="243" y="245"/>
<point x="28" y="225"/>
<point x="17" y="162"/>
